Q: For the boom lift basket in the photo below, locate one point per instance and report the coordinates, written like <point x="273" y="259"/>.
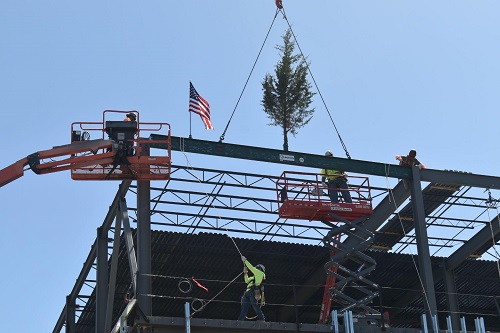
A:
<point x="303" y="196"/>
<point x="132" y="154"/>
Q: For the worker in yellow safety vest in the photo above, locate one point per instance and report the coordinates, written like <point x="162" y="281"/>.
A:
<point x="337" y="182"/>
<point x="254" y="291"/>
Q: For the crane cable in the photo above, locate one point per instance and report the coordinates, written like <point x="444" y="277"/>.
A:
<point x="249" y="75"/>
<point x="315" y="84"/>
<point x="279" y="8"/>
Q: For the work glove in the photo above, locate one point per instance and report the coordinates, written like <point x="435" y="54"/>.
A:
<point x="245" y="270"/>
<point x="243" y="259"/>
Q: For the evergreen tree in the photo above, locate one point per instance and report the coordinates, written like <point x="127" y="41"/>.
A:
<point x="287" y="95"/>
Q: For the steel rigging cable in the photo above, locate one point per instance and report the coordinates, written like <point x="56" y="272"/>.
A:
<point x="249" y="75"/>
<point x="280" y="8"/>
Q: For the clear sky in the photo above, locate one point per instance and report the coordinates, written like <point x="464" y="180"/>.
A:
<point x="395" y="75"/>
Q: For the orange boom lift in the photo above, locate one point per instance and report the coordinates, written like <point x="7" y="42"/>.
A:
<point x="118" y="152"/>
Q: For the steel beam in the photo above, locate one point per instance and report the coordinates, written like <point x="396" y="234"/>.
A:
<point x="144" y="243"/>
<point x="282" y="157"/>
<point x="395" y="198"/>
<point x="122" y="320"/>
<point x="70" y="310"/>
<point x="451" y="296"/>
<point x="482" y="237"/>
<point x="424" y="257"/>
<point x="87" y="266"/>
<point x="178" y="325"/>
<point x="112" y="275"/>
<point x="101" y="280"/>
<point x="460" y="178"/>
<point x="129" y="242"/>
<point x="322" y="162"/>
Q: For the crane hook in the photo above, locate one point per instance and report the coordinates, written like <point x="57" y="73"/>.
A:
<point x="279" y="4"/>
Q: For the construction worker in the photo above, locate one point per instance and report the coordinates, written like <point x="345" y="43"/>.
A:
<point x="337" y="182"/>
<point x="253" y="293"/>
<point x="410" y="160"/>
<point x="130" y="117"/>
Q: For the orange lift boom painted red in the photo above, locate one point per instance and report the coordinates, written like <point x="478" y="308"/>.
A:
<point x="122" y="155"/>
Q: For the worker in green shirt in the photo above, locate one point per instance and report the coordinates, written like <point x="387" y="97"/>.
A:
<point x="253" y="293"/>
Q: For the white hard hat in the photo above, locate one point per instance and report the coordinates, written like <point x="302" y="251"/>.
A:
<point x="328" y="153"/>
<point x="261" y="267"/>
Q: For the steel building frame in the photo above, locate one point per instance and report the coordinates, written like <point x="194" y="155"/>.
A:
<point x="197" y="199"/>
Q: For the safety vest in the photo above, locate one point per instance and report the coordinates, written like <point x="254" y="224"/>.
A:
<point x="256" y="279"/>
<point x="332" y="174"/>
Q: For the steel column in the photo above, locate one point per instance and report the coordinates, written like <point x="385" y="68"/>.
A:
<point x="70" y="314"/>
<point x="144" y="243"/>
<point x="451" y="296"/>
<point x="108" y="220"/>
<point x="112" y="275"/>
<point x="424" y="257"/>
<point x="101" y="280"/>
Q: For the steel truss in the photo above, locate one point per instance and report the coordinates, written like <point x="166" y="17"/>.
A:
<point x="199" y="199"/>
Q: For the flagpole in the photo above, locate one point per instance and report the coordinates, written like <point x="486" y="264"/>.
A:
<point x="190" y="113"/>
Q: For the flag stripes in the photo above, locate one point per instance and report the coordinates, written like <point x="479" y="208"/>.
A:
<point x="200" y="106"/>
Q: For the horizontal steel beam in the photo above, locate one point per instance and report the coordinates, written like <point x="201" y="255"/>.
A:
<point x="283" y="157"/>
<point x="177" y="325"/>
<point x="321" y="162"/>
<point x="460" y="178"/>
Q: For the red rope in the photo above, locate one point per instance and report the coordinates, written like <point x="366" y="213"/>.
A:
<point x="199" y="284"/>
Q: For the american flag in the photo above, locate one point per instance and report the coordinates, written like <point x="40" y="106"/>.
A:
<point x="199" y="105"/>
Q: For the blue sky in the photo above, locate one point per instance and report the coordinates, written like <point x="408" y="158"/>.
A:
<point x="395" y="75"/>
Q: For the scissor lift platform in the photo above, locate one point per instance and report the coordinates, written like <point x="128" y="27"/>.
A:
<point x="303" y="196"/>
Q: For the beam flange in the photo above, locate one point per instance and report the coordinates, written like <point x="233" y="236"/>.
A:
<point x="321" y="162"/>
<point x="282" y="157"/>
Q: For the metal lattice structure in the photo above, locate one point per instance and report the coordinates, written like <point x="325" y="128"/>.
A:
<point x="196" y="200"/>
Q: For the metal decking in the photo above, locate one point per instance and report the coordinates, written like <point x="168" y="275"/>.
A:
<point x="213" y="261"/>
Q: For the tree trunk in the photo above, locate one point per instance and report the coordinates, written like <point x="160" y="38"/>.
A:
<point x="285" y="141"/>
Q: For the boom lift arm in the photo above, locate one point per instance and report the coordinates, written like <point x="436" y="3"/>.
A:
<point x="120" y="153"/>
<point x="87" y="156"/>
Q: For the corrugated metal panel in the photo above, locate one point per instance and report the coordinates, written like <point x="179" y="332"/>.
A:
<point x="213" y="260"/>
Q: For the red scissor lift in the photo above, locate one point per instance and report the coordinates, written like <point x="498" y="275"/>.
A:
<point x="304" y="196"/>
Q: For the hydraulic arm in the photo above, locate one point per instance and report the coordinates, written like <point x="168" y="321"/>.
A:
<point x="81" y="153"/>
<point x="119" y="153"/>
